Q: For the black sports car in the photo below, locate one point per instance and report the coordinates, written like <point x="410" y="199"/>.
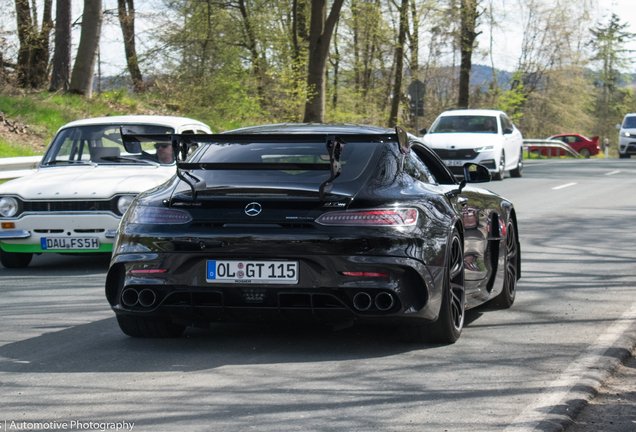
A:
<point x="324" y="223"/>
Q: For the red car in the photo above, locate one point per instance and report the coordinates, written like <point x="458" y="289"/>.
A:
<point x="586" y="147"/>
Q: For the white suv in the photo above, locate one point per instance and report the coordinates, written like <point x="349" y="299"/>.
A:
<point x="486" y="137"/>
<point x="627" y="136"/>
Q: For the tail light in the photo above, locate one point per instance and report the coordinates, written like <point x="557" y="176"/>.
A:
<point x="384" y="217"/>
<point x="158" y="215"/>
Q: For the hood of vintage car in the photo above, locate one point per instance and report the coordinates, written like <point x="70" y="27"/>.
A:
<point x="91" y="182"/>
<point x="461" y="140"/>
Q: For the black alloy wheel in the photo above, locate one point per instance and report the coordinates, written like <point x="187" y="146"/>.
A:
<point x="501" y="173"/>
<point x="518" y="172"/>
<point x="507" y="296"/>
<point x="585" y="153"/>
<point x="448" y="327"/>
<point x="15" y="260"/>
<point x="148" y="328"/>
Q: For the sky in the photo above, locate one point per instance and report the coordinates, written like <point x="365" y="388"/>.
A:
<point x="506" y="39"/>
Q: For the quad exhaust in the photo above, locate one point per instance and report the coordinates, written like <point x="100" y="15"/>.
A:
<point x="384" y="301"/>
<point x="131" y="297"/>
<point x="362" y="301"/>
<point x="147" y="297"/>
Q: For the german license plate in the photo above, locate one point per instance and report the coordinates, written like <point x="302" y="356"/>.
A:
<point x="252" y="272"/>
<point x="64" y="243"/>
<point x="454" y="162"/>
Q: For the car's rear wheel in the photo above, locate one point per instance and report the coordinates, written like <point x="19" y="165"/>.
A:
<point x="500" y="174"/>
<point x="507" y="296"/>
<point x="15" y="260"/>
<point x="585" y="153"/>
<point x="450" y="322"/>
<point x="148" y="328"/>
<point x="518" y="172"/>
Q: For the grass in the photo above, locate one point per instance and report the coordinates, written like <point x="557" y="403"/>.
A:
<point x="11" y="150"/>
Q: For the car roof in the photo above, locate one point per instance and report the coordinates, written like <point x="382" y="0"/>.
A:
<point x="175" y="122"/>
<point x="308" y="128"/>
<point x="472" y="112"/>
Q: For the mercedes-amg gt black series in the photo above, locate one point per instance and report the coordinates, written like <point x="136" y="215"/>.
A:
<point x="323" y="223"/>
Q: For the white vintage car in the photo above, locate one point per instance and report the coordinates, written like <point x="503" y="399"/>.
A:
<point x="486" y="137"/>
<point x="84" y="184"/>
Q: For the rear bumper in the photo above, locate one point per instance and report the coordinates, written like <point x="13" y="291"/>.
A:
<point x="411" y="292"/>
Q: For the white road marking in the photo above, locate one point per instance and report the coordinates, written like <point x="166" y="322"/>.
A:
<point x="613" y="172"/>
<point x="557" y="392"/>
<point x="563" y="186"/>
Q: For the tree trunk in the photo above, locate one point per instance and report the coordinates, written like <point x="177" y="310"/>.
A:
<point x="84" y="68"/>
<point x="399" y="64"/>
<point x="250" y="39"/>
<point x="468" y="16"/>
<point x="25" y="34"/>
<point x="335" y="62"/>
<point x="415" y="42"/>
<point x="39" y="55"/>
<point x="61" y="76"/>
<point x="320" y="32"/>
<point x="126" y="10"/>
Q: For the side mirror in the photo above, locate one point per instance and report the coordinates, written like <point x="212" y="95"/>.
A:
<point x="618" y="127"/>
<point x="423" y="131"/>
<point x="475" y="173"/>
<point x="507" y="131"/>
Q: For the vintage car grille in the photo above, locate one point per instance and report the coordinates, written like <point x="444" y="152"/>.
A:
<point x="68" y="206"/>
<point x="467" y="154"/>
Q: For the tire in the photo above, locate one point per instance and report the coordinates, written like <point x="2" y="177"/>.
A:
<point x="624" y="156"/>
<point x="148" y="328"/>
<point x="506" y="298"/>
<point x="585" y="153"/>
<point x="450" y="322"/>
<point x="15" y="260"/>
<point x="501" y="173"/>
<point x="518" y="172"/>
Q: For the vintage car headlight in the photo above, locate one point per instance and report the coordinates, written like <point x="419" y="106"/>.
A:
<point x="124" y="202"/>
<point x="484" y="148"/>
<point x="8" y="206"/>
<point x="158" y="216"/>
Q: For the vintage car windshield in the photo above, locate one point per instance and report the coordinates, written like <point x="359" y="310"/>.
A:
<point x="102" y="144"/>
<point x="465" y="123"/>
<point x="354" y="159"/>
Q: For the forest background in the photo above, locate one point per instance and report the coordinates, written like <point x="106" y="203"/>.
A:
<point x="233" y="63"/>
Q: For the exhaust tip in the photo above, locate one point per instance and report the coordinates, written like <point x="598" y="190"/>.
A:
<point x="130" y="297"/>
<point x="147" y="297"/>
<point x="384" y="301"/>
<point x="362" y="301"/>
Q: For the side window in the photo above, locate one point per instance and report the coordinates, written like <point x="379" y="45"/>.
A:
<point x="578" y="139"/>
<point x="505" y="121"/>
<point x="416" y="169"/>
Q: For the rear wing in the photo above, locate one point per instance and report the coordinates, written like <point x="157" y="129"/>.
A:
<point x="181" y="144"/>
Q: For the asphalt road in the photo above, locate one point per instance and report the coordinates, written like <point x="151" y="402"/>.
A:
<point x="64" y="359"/>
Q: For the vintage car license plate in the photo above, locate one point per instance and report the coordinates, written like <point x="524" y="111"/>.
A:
<point x="252" y="272"/>
<point x="454" y="162"/>
<point x="62" y="243"/>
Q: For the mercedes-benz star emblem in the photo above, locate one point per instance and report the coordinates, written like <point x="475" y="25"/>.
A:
<point x="253" y="209"/>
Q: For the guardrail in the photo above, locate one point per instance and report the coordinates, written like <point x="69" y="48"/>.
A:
<point x="550" y="144"/>
<point x="15" y="167"/>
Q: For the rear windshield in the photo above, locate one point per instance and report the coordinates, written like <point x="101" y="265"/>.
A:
<point x="101" y="144"/>
<point x="630" y="122"/>
<point x="465" y="123"/>
<point x="354" y="159"/>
